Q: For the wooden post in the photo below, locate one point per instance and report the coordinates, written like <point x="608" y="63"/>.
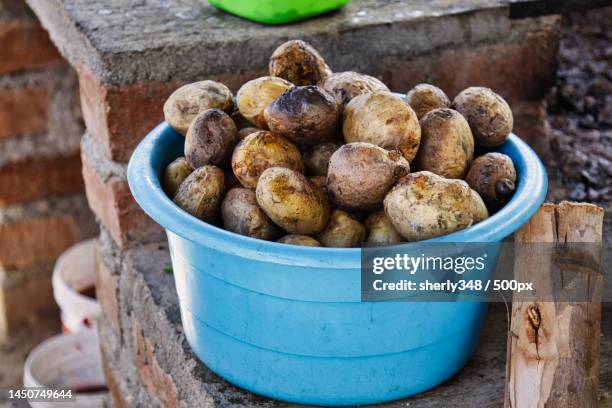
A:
<point x="553" y="346"/>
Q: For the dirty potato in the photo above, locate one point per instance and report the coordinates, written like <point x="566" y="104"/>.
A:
<point x="201" y="192"/>
<point x="447" y="145"/>
<point x="360" y="175"/>
<point x="342" y="231"/>
<point x="347" y="85"/>
<point x="425" y="97"/>
<point x="424" y="205"/>
<point x="190" y="100"/>
<point x="210" y="139"/>
<point x="297" y="239"/>
<point x="292" y="201"/>
<point x="479" y="209"/>
<point x="241" y="214"/>
<point x="380" y="230"/>
<point x="255" y="96"/>
<point x="261" y="150"/>
<point x="383" y="119"/>
<point x="174" y="174"/>
<point x="488" y="114"/>
<point x="306" y="115"/>
<point x="244" y="132"/>
<point x="299" y="63"/>
<point x="493" y="176"/>
<point x="316" y="159"/>
<point x="319" y="182"/>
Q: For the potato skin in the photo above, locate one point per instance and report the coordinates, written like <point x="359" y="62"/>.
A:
<point x="424" y="205"/>
<point x="383" y="119"/>
<point x="299" y="63"/>
<point x="342" y="231"/>
<point x="244" y="132"/>
<point x="306" y="115"/>
<point x="319" y="182"/>
<point x="174" y="174"/>
<point x="200" y="194"/>
<point x="210" y="139"/>
<point x="488" y="114"/>
<point x="380" y="230"/>
<point x="360" y="175"/>
<point x="254" y="97"/>
<point x="297" y="239"/>
<point x="425" y="97"/>
<point x="447" y="145"/>
<point x="241" y="214"/>
<point x="316" y="159"/>
<point x="493" y="176"/>
<point x="292" y="201"/>
<point x="347" y="85"/>
<point x="261" y="150"/>
<point x="188" y="101"/>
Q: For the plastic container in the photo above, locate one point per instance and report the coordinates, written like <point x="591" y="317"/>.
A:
<point x="73" y="275"/>
<point x="287" y="321"/>
<point x="277" y="11"/>
<point x="68" y="361"/>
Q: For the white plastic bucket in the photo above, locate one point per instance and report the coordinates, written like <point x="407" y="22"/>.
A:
<point x="74" y="273"/>
<point x="68" y="361"/>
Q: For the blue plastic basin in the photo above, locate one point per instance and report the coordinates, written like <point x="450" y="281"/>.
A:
<point x="287" y="321"/>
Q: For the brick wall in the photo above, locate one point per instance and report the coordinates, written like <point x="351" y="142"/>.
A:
<point x="42" y="206"/>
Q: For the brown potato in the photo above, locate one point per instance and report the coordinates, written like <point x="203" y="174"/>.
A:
<point x="316" y="159"/>
<point x="493" y="176"/>
<point x="383" y="119"/>
<point x="174" y="174"/>
<point x="240" y="120"/>
<point x="424" y="98"/>
<point x="261" y="150"/>
<point x="200" y="194"/>
<point x="299" y="63"/>
<point x="424" y="205"/>
<point x="292" y="201"/>
<point x="361" y="174"/>
<point x="210" y="139"/>
<point x="347" y="85"/>
<point x="297" y="239"/>
<point x="241" y="214"/>
<point x="254" y="97"/>
<point x="342" y="231"/>
<point x="319" y="182"/>
<point x="190" y="100"/>
<point x="244" y="132"/>
<point x="380" y="230"/>
<point x="447" y="145"/>
<point x="479" y="209"/>
<point x="306" y="115"/>
<point x="488" y="114"/>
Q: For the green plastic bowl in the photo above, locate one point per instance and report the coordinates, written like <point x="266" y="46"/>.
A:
<point x="277" y="11"/>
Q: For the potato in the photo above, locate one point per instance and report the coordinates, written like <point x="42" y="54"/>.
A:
<point x="299" y="63"/>
<point x="488" y="114"/>
<point x="447" y="145"/>
<point x="244" y="132"/>
<point x="342" y="231"/>
<point x="255" y="96"/>
<point x="316" y="159"/>
<point x="306" y="115"/>
<point x="361" y="174"/>
<point x="292" y="201"/>
<point x="261" y="150"/>
<point x="383" y="119"/>
<point x="200" y="194"/>
<point x="424" y="205"/>
<point x="424" y="98"/>
<point x="380" y="230"/>
<point x="479" y="209"/>
<point x="319" y="182"/>
<point x="210" y="139"/>
<point x="240" y="120"/>
<point x="190" y="100"/>
<point x="297" y="239"/>
<point x="493" y="176"/>
<point x="174" y="174"/>
<point x="241" y="214"/>
<point x="347" y="85"/>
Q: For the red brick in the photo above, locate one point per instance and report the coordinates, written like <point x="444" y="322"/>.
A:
<point x="23" y="111"/>
<point x="32" y="178"/>
<point x="107" y="294"/>
<point x="25" y="45"/>
<point x="35" y="241"/>
<point x="119" y="401"/>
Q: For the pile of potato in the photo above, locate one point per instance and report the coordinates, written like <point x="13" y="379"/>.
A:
<point x="311" y="157"/>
